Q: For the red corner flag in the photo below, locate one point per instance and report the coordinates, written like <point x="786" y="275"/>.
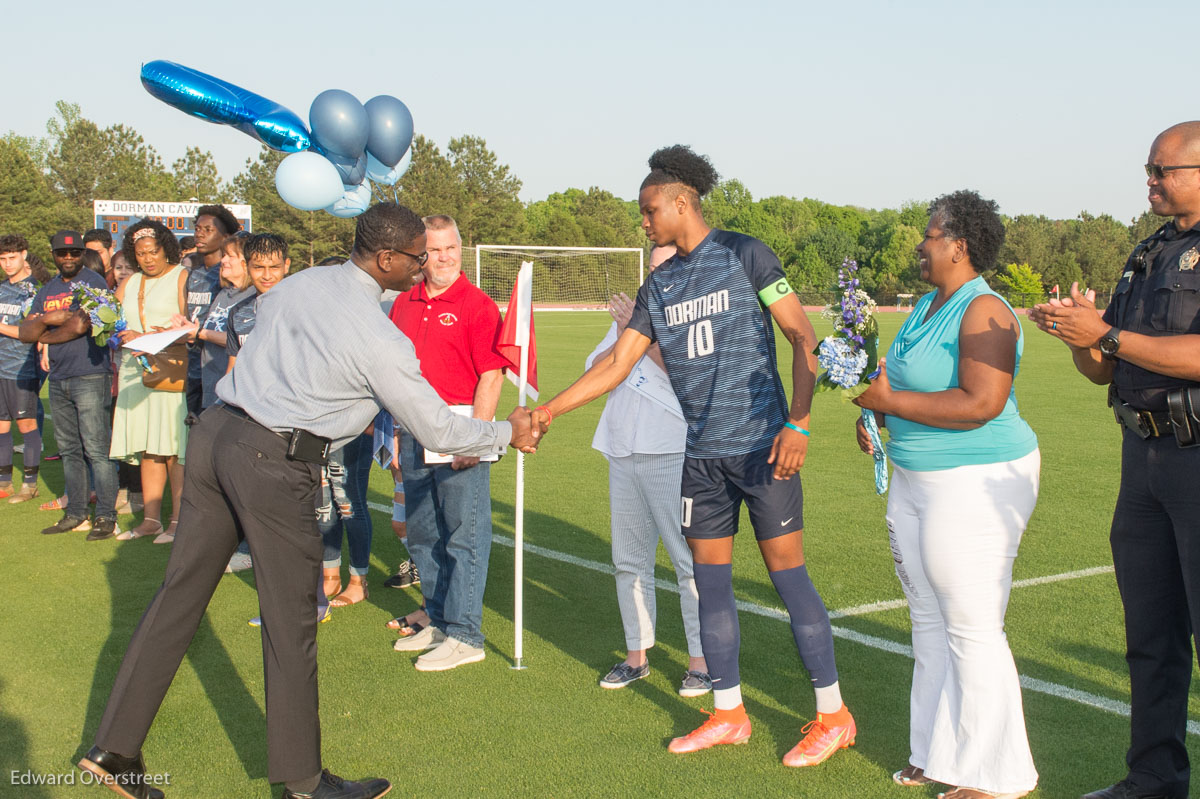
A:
<point x="516" y="333"/>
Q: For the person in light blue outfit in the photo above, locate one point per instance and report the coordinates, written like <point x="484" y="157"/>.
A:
<point x="964" y="483"/>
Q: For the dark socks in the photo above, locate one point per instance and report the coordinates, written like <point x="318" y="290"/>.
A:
<point x="304" y="786"/>
<point x="33" y="454"/>
<point x="810" y="623"/>
<point x="720" y="635"/>
<point x="6" y="455"/>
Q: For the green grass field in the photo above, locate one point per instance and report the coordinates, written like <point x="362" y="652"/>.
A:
<point x="549" y="730"/>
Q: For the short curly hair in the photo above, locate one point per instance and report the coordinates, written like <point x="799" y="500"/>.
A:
<point x="265" y="245"/>
<point x="162" y="234"/>
<point x="967" y="216"/>
<point x="13" y="242"/>
<point x="223" y="215"/>
<point x="386" y="226"/>
<point x="678" y="165"/>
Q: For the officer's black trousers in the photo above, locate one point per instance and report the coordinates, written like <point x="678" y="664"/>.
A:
<point x="1156" y="551"/>
<point x="237" y="481"/>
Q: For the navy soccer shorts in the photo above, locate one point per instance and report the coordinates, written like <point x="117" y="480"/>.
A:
<point x="18" y="399"/>
<point x="713" y="490"/>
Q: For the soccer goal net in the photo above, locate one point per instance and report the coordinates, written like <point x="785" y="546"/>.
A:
<point x="564" y="278"/>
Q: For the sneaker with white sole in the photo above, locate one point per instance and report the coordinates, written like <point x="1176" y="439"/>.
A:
<point x="622" y="674"/>
<point x="426" y="639"/>
<point x="450" y="654"/>
<point x="239" y="562"/>
<point x="695" y="683"/>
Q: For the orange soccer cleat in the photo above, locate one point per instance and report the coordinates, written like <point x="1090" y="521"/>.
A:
<point x="829" y="733"/>
<point x="722" y="727"/>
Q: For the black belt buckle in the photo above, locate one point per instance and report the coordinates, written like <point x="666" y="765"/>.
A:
<point x="308" y="448"/>
<point x="1181" y="406"/>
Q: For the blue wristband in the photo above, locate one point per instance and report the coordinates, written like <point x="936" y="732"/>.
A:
<point x="797" y="428"/>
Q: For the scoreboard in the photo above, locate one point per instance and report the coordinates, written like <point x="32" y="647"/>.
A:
<point x="117" y="215"/>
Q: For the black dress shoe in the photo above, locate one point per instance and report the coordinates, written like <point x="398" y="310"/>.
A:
<point x="1122" y="790"/>
<point x="124" y="775"/>
<point x="332" y="786"/>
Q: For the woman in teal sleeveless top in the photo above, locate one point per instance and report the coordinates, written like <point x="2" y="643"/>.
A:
<point x="964" y="484"/>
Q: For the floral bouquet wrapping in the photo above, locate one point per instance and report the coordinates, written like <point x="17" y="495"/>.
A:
<point x="104" y="311"/>
<point x="31" y="293"/>
<point x="850" y="357"/>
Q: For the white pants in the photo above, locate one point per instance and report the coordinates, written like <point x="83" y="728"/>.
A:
<point x="643" y="495"/>
<point x="954" y="535"/>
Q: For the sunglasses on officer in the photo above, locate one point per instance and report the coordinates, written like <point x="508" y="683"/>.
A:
<point x="1159" y="171"/>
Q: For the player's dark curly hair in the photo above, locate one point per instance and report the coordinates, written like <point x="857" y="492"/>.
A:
<point x="13" y="242"/>
<point x="386" y="226"/>
<point x="677" y="164"/>
<point x="162" y="234"/>
<point x="967" y="216"/>
<point x="265" y="244"/>
<point x="223" y="215"/>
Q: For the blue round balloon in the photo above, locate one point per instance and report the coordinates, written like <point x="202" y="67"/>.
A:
<point x="354" y="200"/>
<point x="339" y="123"/>
<point x="308" y="181"/>
<point x="214" y="100"/>
<point x="352" y="170"/>
<point x="381" y="173"/>
<point x="391" y="129"/>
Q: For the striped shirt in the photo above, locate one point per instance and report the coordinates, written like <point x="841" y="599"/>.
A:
<point x="324" y="358"/>
<point x="708" y="312"/>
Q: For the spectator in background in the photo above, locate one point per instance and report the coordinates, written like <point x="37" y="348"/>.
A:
<point x="18" y="372"/>
<point x="94" y="261"/>
<point x="211" y="330"/>
<point x="187" y="246"/>
<point x="100" y="241"/>
<point x="117" y="263"/>
<point x="37" y="268"/>
<point x="80" y="389"/>
<point x="149" y="424"/>
<point x="129" y="476"/>
<point x="214" y="224"/>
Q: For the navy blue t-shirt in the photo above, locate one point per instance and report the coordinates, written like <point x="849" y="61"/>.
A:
<point x="203" y="283"/>
<point x="718" y="342"/>
<point x="18" y="361"/>
<point x="81" y="356"/>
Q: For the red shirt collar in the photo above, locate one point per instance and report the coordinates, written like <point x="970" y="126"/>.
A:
<point x="455" y="292"/>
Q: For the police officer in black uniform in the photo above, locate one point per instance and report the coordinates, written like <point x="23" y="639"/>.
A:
<point x="1146" y="347"/>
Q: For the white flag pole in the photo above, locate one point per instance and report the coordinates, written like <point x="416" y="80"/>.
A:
<point x="524" y="312"/>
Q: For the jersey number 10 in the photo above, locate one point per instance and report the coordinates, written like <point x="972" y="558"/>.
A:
<point x="700" y="339"/>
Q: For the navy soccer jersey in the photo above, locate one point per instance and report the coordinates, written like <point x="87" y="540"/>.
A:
<point x="708" y="312"/>
<point x="203" y="283"/>
<point x="241" y="321"/>
<point x="17" y="360"/>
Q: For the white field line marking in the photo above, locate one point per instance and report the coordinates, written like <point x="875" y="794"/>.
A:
<point x="1028" y="683"/>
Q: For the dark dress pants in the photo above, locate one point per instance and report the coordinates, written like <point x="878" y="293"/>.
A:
<point x="237" y="483"/>
<point x="1156" y="551"/>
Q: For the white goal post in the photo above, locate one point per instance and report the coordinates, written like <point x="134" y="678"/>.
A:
<point x="564" y="278"/>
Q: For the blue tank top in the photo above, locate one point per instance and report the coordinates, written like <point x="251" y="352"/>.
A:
<point x="924" y="357"/>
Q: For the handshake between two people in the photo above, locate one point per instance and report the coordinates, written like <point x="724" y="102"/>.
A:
<point x="528" y="427"/>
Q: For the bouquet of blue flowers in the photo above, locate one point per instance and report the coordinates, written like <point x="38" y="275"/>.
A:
<point x="850" y="357"/>
<point x="31" y="292"/>
<point x="105" y="313"/>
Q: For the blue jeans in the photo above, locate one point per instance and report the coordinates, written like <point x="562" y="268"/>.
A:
<point x="449" y="538"/>
<point x="83" y="431"/>
<point x="342" y="502"/>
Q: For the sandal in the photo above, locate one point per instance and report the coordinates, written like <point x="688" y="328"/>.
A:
<point x="341" y="600"/>
<point x="329" y="578"/>
<point x="407" y="628"/>
<point x="911" y="776"/>
<point x="168" y="535"/>
<point x="134" y="532"/>
<point x="58" y="503"/>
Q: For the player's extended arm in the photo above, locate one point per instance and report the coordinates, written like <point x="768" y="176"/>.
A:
<point x="790" y="447"/>
<point x="605" y="375"/>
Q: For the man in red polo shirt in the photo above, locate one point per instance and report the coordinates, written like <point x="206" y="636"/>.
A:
<point x="453" y="326"/>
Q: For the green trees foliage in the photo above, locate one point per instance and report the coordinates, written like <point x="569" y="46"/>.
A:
<point x="1024" y="285"/>
<point x="49" y="182"/>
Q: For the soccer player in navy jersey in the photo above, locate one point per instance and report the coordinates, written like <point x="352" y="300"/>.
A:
<point x="710" y="308"/>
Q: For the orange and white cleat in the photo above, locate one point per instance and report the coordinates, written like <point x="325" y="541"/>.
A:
<point x="722" y="727"/>
<point x="829" y="733"/>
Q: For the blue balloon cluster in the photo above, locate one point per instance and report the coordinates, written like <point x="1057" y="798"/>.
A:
<point x="329" y="166"/>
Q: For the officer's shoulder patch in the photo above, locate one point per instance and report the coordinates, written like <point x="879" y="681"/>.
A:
<point x="1188" y="261"/>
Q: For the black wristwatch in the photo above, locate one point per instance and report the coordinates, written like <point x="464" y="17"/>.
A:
<point x="1110" y="342"/>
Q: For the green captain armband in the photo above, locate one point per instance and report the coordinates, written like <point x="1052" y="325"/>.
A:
<point x="775" y="292"/>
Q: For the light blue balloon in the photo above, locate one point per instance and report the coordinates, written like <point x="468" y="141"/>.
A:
<point x="214" y="100"/>
<point x="354" y="200"/>
<point x="381" y="173"/>
<point x="352" y="170"/>
<point x="308" y="181"/>
<point x="391" y="130"/>
<point x="339" y="123"/>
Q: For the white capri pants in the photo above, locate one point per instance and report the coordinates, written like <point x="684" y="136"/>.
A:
<point x="644" y="495"/>
<point x="954" y="536"/>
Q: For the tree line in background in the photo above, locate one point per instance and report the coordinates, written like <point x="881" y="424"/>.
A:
<point x="47" y="183"/>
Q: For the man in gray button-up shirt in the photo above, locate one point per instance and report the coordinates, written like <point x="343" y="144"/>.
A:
<point x="322" y="359"/>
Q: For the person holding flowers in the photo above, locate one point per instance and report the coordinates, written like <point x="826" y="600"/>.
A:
<point x="964" y="483"/>
<point x="149" y="423"/>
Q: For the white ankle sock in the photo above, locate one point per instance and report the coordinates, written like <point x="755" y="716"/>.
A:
<point x="727" y="698"/>
<point x="829" y="699"/>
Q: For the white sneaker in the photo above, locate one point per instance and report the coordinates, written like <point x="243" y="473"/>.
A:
<point x="450" y="654"/>
<point x="426" y="639"/>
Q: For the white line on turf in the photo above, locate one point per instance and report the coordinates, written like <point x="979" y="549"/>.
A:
<point x="875" y="642"/>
